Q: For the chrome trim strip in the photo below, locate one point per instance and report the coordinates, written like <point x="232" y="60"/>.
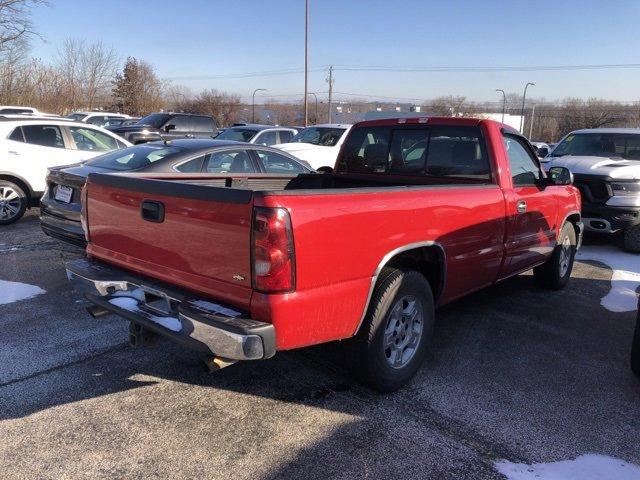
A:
<point x="389" y="256"/>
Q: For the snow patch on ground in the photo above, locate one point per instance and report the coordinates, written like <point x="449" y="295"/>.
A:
<point x="625" y="279"/>
<point x="585" y="467"/>
<point x="14" y="291"/>
<point x="131" y="304"/>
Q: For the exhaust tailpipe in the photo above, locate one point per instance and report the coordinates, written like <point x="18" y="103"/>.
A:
<point x="213" y="363"/>
<point x="97" y="311"/>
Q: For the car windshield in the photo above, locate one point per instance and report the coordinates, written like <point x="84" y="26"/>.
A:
<point x="134" y="158"/>
<point x="325" y="136"/>
<point x="77" y="116"/>
<point x="595" y="144"/>
<point x="154" y="120"/>
<point x="237" y="134"/>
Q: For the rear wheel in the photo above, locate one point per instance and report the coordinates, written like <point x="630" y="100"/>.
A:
<point x="555" y="274"/>
<point x="13" y="202"/>
<point x="632" y="239"/>
<point x="396" y="333"/>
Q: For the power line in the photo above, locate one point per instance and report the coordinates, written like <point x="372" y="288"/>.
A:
<point x="512" y="68"/>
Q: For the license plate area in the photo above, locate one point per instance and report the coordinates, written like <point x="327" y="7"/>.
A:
<point x="63" y="193"/>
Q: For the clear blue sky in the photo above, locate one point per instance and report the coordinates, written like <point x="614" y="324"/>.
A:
<point x="190" y="38"/>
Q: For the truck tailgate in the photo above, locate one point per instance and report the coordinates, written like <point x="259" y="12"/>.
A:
<point x="194" y="236"/>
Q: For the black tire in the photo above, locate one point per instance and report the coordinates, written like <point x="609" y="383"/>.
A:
<point x="632" y="239"/>
<point x="395" y="291"/>
<point x="635" y="349"/>
<point x="553" y="275"/>
<point x="11" y="208"/>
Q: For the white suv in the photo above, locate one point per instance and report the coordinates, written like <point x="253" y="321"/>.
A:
<point x="100" y="119"/>
<point x="29" y="146"/>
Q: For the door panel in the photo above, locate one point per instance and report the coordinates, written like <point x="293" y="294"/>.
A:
<point x="531" y="211"/>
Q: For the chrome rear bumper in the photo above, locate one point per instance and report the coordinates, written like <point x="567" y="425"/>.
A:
<point x="197" y="323"/>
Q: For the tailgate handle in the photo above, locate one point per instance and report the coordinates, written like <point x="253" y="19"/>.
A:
<point x="152" y="211"/>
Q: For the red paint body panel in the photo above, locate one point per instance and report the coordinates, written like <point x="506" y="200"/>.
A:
<point x="341" y="237"/>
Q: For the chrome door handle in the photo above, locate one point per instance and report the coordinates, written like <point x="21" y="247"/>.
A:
<point x="522" y="206"/>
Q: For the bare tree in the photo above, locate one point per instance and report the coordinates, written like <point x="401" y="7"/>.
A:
<point x="15" y="20"/>
<point x="223" y="107"/>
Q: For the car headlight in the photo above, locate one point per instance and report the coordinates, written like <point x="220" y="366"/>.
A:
<point x="626" y="188"/>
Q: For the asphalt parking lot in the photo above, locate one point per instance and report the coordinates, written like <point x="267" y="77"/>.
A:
<point x="519" y="375"/>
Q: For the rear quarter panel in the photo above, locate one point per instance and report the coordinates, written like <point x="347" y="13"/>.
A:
<point x="341" y="239"/>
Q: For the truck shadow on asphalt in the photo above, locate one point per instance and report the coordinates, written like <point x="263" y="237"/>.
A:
<point x="517" y="372"/>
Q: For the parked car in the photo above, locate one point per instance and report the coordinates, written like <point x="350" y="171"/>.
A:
<point x="419" y="212"/>
<point x="606" y="166"/>
<point x="60" y="204"/>
<point x="167" y="126"/>
<point x="16" y="110"/>
<point x="100" y="119"/>
<point x="30" y="145"/>
<point x="259" y="134"/>
<point x="541" y="148"/>
<point x="319" y="145"/>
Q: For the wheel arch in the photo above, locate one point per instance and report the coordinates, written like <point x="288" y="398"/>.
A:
<point x="18" y="180"/>
<point x="574" y="217"/>
<point x="428" y="258"/>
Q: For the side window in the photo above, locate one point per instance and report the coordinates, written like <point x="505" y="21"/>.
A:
<point x="202" y="124"/>
<point x="457" y="152"/>
<point x="267" y="138"/>
<point x="192" y="166"/>
<point x="285" y="136"/>
<point x="97" y="120"/>
<point x="524" y="169"/>
<point x="91" y="140"/>
<point x="277" y="163"/>
<point x="44" y="135"/>
<point x="181" y="122"/>
<point x="408" y="151"/>
<point x="229" y="161"/>
<point x="16" y="135"/>
<point x="366" y="151"/>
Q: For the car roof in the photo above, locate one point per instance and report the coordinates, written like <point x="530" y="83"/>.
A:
<point x="331" y="125"/>
<point x="257" y="126"/>
<point x="608" y="130"/>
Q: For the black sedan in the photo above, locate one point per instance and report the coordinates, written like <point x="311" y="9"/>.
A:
<point x="60" y="204"/>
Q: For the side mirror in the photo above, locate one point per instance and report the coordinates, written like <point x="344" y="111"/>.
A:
<point x="325" y="170"/>
<point x="543" y="152"/>
<point x="168" y="128"/>
<point x="560" y="176"/>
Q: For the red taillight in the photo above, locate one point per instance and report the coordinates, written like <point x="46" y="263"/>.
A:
<point x="273" y="259"/>
<point x="84" y="220"/>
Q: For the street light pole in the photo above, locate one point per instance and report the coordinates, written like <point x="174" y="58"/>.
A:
<point x="306" y="60"/>
<point x="253" y="103"/>
<point x="316" y="97"/>
<point x="524" y="96"/>
<point x="533" y="115"/>
<point x="504" y="101"/>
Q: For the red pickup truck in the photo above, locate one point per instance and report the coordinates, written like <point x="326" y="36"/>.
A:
<point x="417" y="213"/>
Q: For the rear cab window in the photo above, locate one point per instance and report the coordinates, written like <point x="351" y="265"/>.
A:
<point x="417" y="150"/>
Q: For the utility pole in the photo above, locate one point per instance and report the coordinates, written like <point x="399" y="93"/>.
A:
<point x="330" y="81"/>
<point x="533" y="114"/>
<point x="306" y="60"/>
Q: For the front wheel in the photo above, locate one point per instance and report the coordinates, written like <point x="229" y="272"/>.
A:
<point x="555" y="273"/>
<point x="632" y="239"/>
<point x="13" y="202"/>
<point x="396" y="333"/>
